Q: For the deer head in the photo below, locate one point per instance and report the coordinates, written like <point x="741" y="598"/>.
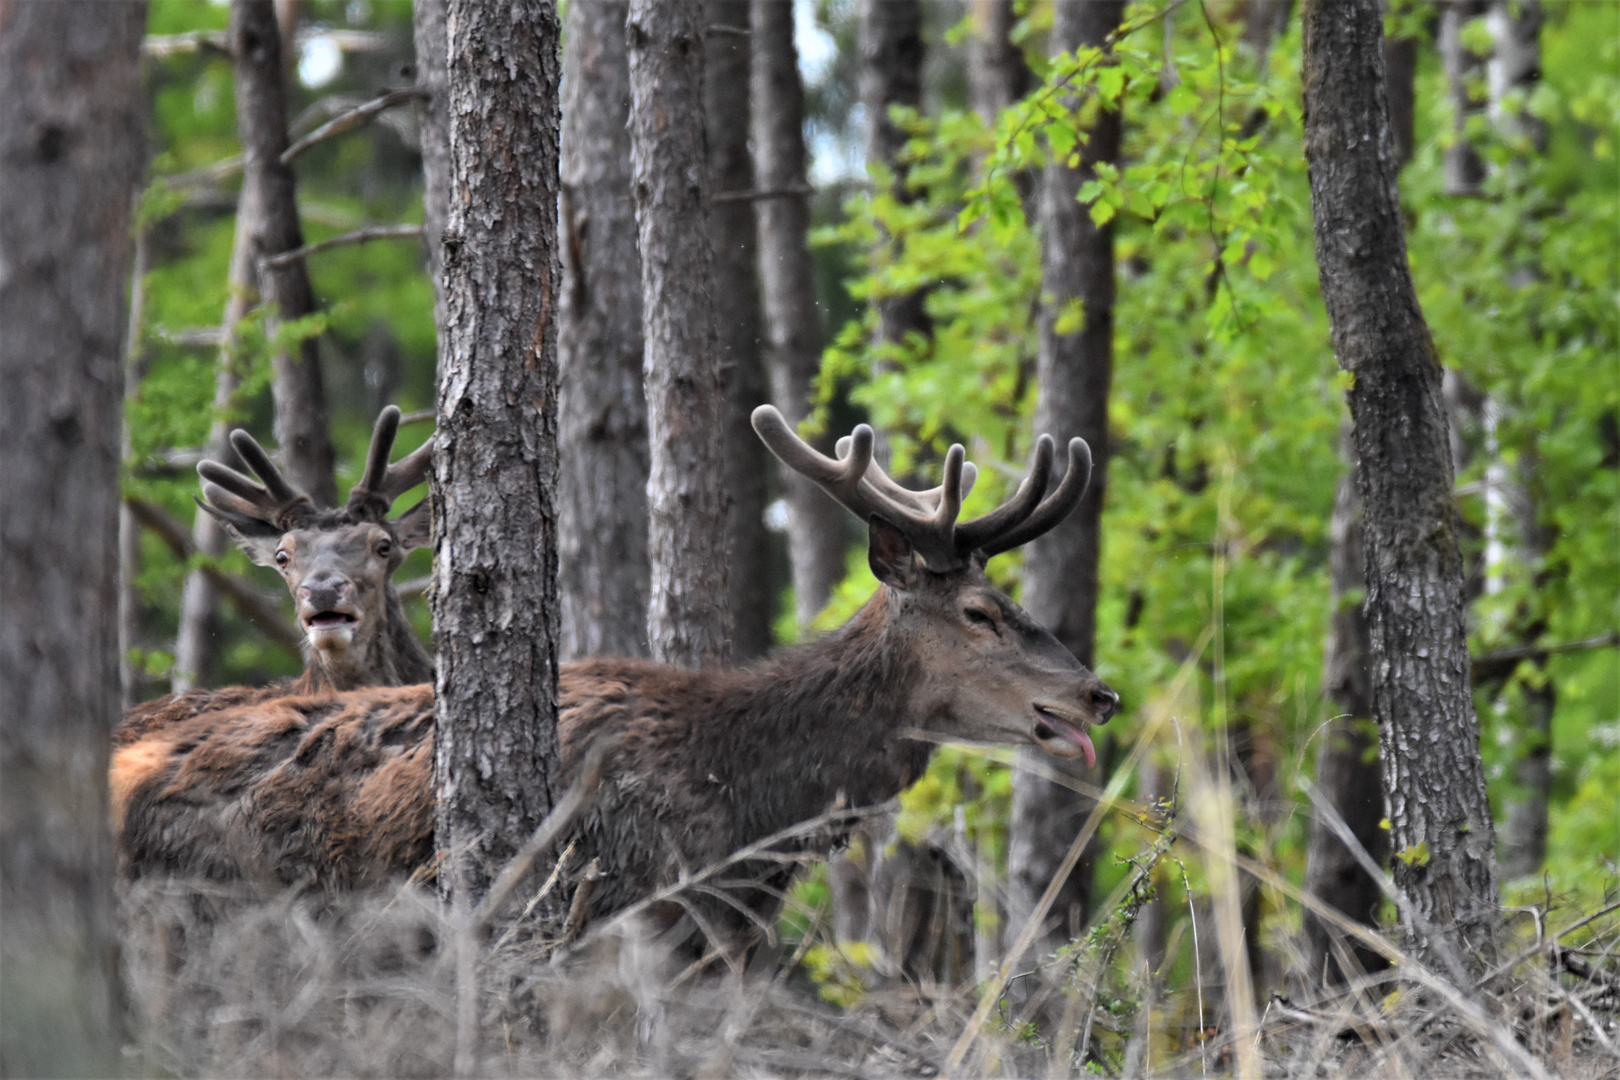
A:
<point x="989" y="673"/>
<point x="337" y="563"/>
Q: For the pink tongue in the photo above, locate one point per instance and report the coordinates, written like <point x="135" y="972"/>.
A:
<point x="1079" y="736"/>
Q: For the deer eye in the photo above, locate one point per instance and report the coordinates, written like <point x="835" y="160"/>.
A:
<point x="980" y="617"/>
<point x="282" y="559"/>
<point x="384" y="547"/>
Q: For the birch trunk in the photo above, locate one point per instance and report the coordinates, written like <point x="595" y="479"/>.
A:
<point x="1434" y="783"/>
<point x="602" y="424"/>
<point x="495" y="450"/>
<point x="1074" y="372"/>
<point x="793" y="332"/>
<point x="726" y="109"/>
<point x="71" y="151"/>
<point x="688" y="617"/>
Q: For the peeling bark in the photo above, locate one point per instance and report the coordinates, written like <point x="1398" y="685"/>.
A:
<point x="602" y="424"/>
<point x="688" y="617"/>
<point x="495" y="450"/>
<point x="1434" y="783"/>
<point x="71" y="151"/>
<point x="816" y="531"/>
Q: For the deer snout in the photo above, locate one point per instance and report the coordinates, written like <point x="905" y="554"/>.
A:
<point x="1101" y="700"/>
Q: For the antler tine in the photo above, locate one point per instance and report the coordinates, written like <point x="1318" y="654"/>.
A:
<point x="923" y="501"/>
<point x="283" y="493"/>
<point x="228" y="481"/>
<point x="1053" y="509"/>
<point x="408" y="471"/>
<point x="971" y="535"/>
<point x="382" y="444"/>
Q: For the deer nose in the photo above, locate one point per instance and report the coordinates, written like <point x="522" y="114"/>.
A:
<point x="1103" y="702"/>
<point x="324" y="591"/>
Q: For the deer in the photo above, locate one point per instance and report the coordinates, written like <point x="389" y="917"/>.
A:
<point x="336" y="789"/>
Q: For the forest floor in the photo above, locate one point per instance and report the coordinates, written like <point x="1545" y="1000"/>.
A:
<point x="379" y="984"/>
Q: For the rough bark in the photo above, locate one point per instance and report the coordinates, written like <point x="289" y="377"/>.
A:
<point x="1463" y="171"/>
<point x="432" y="39"/>
<point x="891" y="69"/>
<point x="737" y="321"/>
<point x="1434" y="781"/>
<point x="997" y="72"/>
<point x="793" y="331"/>
<point x="495" y="450"/>
<point x="1074" y="372"/>
<point x="71" y="151"/>
<point x="1347" y="769"/>
<point x="602" y="414"/>
<point x="688" y="616"/>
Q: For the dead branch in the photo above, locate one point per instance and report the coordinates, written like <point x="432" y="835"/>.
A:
<point x="359" y="236"/>
<point x="252" y="606"/>
<point x="354" y="118"/>
<point x="1496" y="666"/>
<point x="757" y="194"/>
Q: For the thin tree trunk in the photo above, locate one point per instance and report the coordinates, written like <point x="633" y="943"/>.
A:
<point x="1347" y="767"/>
<point x="1515" y="65"/>
<point x="301" y="428"/>
<point x="71" y="151"/>
<point x="997" y="73"/>
<point x="433" y="122"/>
<point x="688" y="616"/>
<point x="816" y="533"/>
<point x="891" y="70"/>
<point x="737" y="320"/>
<point x="1463" y="170"/>
<point x="129" y="530"/>
<point x="1074" y="372"/>
<point x="602" y="423"/>
<point x="495" y="450"/>
<point x="1434" y="783"/>
<point x="1348" y="773"/>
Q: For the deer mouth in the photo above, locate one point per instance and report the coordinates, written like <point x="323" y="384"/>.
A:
<point x="1060" y="732"/>
<point x="330" y="623"/>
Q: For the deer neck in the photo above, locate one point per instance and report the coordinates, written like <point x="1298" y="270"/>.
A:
<point x="385" y="654"/>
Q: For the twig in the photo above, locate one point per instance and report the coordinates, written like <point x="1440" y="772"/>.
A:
<point x="419" y="416"/>
<point x="356" y="117"/>
<point x="162" y="45"/>
<point x="359" y="236"/>
<point x="727" y="31"/>
<point x="416" y="586"/>
<point x="1492" y="666"/>
<point x="245" y="597"/>
<point x="758" y="194"/>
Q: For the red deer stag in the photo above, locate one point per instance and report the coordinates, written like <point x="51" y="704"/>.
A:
<point x="337" y="788"/>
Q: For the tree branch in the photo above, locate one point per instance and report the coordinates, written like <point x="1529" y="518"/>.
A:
<point x="253" y="607"/>
<point x="1495" y="666"/>
<point x="359" y="236"/>
<point x="756" y="194"/>
<point x="356" y="117"/>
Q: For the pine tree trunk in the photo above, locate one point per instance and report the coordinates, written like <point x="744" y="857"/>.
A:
<point x="891" y="69"/>
<point x="793" y="332"/>
<point x="1347" y="768"/>
<point x="432" y="121"/>
<point x="602" y="422"/>
<point x="997" y="73"/>
<point x="1074" y="372"/>
<point x="71" y="152"/>
<point x="1465" y="75"/>
<point x="737" y="320"/>
<point x="495" y="450"/>
<point x="1434" y="783"/>
<point x="688" y="616"/>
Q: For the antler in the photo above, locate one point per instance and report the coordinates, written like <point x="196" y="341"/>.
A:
<point x="242" y="501"/>
<point x="382" y="482"/>
<point x="928" y="518"/>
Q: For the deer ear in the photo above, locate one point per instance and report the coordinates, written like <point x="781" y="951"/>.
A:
<point x="415" y="526"/>
<point x="889" y="554"/>
<point x="259" y="539"/>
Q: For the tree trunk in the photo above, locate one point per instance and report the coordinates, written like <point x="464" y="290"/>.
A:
<point x="737" y="319"/>
<point x="891" y="69"/>
<point x="1515" y="65"/>
<point x="688" y="617"/>
<point x="129" y="530"/>
<point x="1073" y="372"/>
<point x="71" y="151"/>
<point x="1347" y="772"/>
<point x="495" y="450"/>
<point x="997" y="73"/>
<point x="1465" y="74"/>
<point x="602" y="424"/>
<point x="1434" y="781"/>
<point x="1348" y="776"/>
<point x="433" y="122"/>
<point x="816" y="532"/>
